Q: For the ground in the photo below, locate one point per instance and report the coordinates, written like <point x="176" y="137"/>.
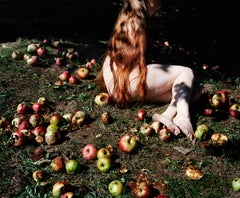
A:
<point x="161" y="164"/>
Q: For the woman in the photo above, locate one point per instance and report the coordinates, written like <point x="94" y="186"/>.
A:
<point x="128" y="78"/>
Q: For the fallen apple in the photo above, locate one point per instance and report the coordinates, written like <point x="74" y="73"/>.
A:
<point x="201" y="131"/>
<point x="57" y="164"/>
<point x="236" y="184"/>
<point x="89" y="152"/>
<point x="22" y="108"/>
<point x="60" y="61"/>
<point x="164" y="134"/>
<point x="141" y="190"/>
<point x="41" y="51"/>
<point x="234" y="110"/>
<point x="55" y="119"/>
<point x="39" y="131"/>
<point x="64" y="76"/>
<point x="17" y="55"/>
<point x="219" y="139"/>
<point x="32" y="60"/>
<point x="37" y="107"/>
<point x="60" y="187"/>
<point x="52" y="134"/>
<point x="220" y="98"/>
<point x="79" y="117"/>
<point x="193" y="173"/>
<point x="106" y="117"/>
<point x="32" y="48"/>
<point x="82" y="72"/>
<point x="141" y="114"/>
<point x="104" y="152"/>
<point x="68" y="195"/>
<point x="73" y="80"/>
<point x="156" y="125"/>
<point x="146" y="129"/>
<point x="115" y="188"/>
<point x="128" y="143"/>
<point x="37" y="175"/>
<point x="104" y="164"/>
<point x="72" y="166"/>
<point x="102" y="99"/>
<point x="36" y="119"/>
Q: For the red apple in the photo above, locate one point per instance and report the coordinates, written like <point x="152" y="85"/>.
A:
<point x="64" y="76"/>
<point x="41" y="51"/>
<point x="32" y="60"/>
<point x="141" y="114"/>
<point x="141" y="190"/>
<point x="73" y="80"/>
<point x="208" y="111"/>
<point x="39" y="131"/>
<point x="22" y="108"/>
<point x="128" y="143"/>
<point x="58" y="83"/>
<point x="234" y="110"/>
<point x="37" y="107"/>
<point x="82" y="72"/>
<point x="89" y="152"/>
<point x="67" y="195"/>
<point x="102" y="99"/>
<point x="60" y="61"/>
<point x="219" y="99"/>
<point x="164" y="134"/>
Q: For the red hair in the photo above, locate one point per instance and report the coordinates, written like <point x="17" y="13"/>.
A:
<point x="126" y="49"/>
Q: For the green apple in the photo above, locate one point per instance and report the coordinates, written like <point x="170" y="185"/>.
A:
<point x="115" y="188"/>
<point x="236" y="184"/>
<point x="104" y="164"/>
<point x="72" y="166"/>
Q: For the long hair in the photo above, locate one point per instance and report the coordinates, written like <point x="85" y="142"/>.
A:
<point x="126" y="49"/>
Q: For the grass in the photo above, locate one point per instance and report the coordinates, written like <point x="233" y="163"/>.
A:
<point x="156" y="160"/>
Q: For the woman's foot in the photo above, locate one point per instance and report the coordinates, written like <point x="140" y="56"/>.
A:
<point x="167" y="122"/>
<point x="185" y="125"/>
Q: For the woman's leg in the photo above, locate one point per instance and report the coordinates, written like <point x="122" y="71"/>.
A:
<point x="176" y="117"/>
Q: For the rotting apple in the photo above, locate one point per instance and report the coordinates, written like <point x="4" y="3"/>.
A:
<point x="68" y="195"/>
<point x="141" y="190"/>
<point x="115" y="188"/>
<point x="17" y="55"/>
<point x="39" y="130"/>
<point x="17" y="139"/>
<point x="164" y="134"/>
<point x="146" y="129"/>
<point x="79" y="117"/>
<point x="72" y="166"/>
<point x="57" y="164"/>
<point x="236" y="184"/>
<point x="201" y="131"/>
<point x="102" y="99"/>
<point x="128" y="142"/>
<point x="89" y="152"/>
<point x="220" y="98"/>
<point x="37" y="175"/>
<point x="234" y="110"/>
<point x="141" y="114"/>
<point x="67" y="117"/>
<point x="104" y="164"/>
<point x="52" y="134"/>
<point x="106" y="117"/>
<point x="42" y="100"/>
<point x="156" y="125"/>
<point x="83" y="72"/>
<point x="64" y="76"/>
<point x="36" y="119"/>
<point x="104" y="152"/>
<point x="219" y="139"/>
<point x="60" y="187"/>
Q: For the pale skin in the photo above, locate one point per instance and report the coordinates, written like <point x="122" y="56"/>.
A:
<point x="164" y="83"/>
